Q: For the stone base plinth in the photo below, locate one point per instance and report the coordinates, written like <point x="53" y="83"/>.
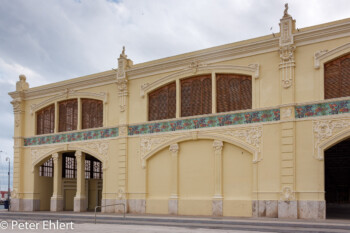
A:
<point x="80" y="204"/>
<point x="265" y="208"/>
<point x="30" y="205"/>
<point x="173" y="206"/>
<point x="288" y="209"/>
<point x="108" y="205"/>
<point x="217" y="207"/>
<point x="120" y="208"/>
<point x="56" y="204"/>
<point x="312" y="209"/>
<point x="137" y="206"/>
<point x="15" y="204"/>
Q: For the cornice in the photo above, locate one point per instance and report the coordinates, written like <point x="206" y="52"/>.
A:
<point x="76" y="84"/>
<point x="320" y="34"/>
<point x="221" y="54"/>
<point x="209" y="56"/>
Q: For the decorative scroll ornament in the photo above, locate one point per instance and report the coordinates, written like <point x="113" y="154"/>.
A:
<point x="287" y="65"/>
<point x="256" y="68"/>
<point x="121" y="193"/>
<point x="17" y="105"/>
<point x="195" y="65"/>
<point x="287" y="113"/>
<point x="252" y="136"/>
<point x="17" y="121"/>
<point x="287" y="194"/>
<point x="122" y="93"/>
<point x="40" y="154"/>
<point x="217" y="145"/>
<point x="174" y="148"/>
<point x="324" y="130"/>
<point x="123" y="131"/>
<point x="317" y="56"/>
<point x="149" y="143"/>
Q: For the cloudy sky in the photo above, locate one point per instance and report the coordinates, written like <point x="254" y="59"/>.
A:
<point x="54" y="40"/>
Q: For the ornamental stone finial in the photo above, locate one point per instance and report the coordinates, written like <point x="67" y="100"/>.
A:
<point x="22" y="85"/>
<point x="123" y="55"/>
<point x="286" y="10"/>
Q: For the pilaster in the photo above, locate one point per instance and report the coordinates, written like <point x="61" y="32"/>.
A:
<point x="57" y="197"/>
<point x="173" y="199"/>
<point x="122" y="83"/>
<point x="79" y="199"/>
<point x="217" y="198"/>
<point x="18" y="110"/>
<point x="287" y="205"/>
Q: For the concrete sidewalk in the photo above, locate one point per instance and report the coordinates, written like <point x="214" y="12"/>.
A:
<point x="83" y="222"/>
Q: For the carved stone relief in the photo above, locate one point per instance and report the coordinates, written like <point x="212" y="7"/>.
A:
<point x="98" y="149"/>
<point x="324" y="130"/>
<point x="287" y="113"/>
<point x="17" y="105"/>
<point x="252" y="136"/>
<point x="147" y="144"/>
<point x="247" y="137"/>
<point x="217" y="145"/>
<point x="174" y="148"/>
<point x="287" y="194"/>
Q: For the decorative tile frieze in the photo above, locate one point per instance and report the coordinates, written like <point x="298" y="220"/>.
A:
<point x="322" y="109"/>
<point x="72" y="137"/>
<point x="206" y="122"/>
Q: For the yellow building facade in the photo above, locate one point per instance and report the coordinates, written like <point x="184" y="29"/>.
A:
<point x="241" y="129"/>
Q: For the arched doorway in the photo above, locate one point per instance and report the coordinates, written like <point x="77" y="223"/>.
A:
<point x="337" y="180"/>
<point x="92" y="170"/>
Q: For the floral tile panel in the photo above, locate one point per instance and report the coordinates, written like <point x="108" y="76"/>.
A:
<point x="72" y="137"/>
<point x="206" y="122"/>
<point x="322" y="109"/>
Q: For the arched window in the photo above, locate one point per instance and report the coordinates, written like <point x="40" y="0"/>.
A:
<point x="162" y="103"/>
<point x="45" y="120"/>
<point x="196" y="95"/>
<point x="68" y="115"/>
<point x="234" y="92"/>
<point x="92" y="113"/>
<point x="46" y="169"/>
<point x="337" y="77"/>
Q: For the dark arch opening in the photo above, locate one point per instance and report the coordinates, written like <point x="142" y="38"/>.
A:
<point x="337" y="180"/>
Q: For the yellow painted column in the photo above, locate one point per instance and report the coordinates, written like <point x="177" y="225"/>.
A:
<point x="173" y="200"/>
<point x="178" y="99"/>
<point x="56" y="118"/>
<point x="213" y="92"/>
<point x="18" y="104"/>
<point x="80" y="117"/>
<point x="217" y="198"/>
<point x="79" y="199"/>
<point x="57" y="198"/>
